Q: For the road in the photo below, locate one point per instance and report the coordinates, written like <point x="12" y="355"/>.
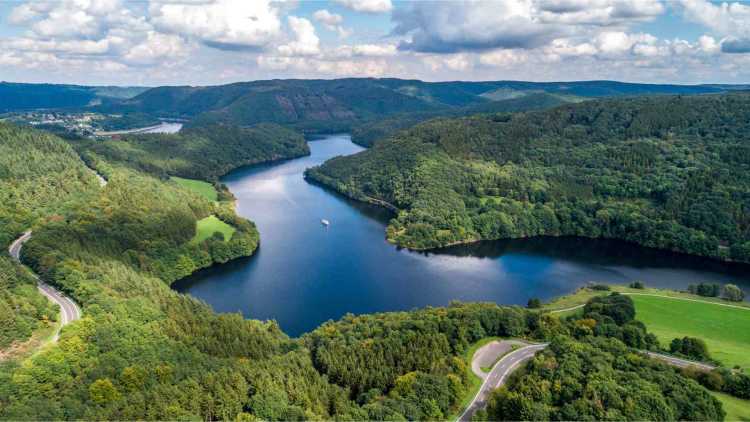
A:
<point x="69" y="311"/>
<point x="498" y="375"/>
<point x="681" y="363"/>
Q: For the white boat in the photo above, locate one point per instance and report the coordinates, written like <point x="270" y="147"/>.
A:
<point x="325" y="222"/>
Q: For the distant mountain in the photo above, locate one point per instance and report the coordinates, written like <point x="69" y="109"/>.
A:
<point x="20" y="96"/>
<point x="341" y="103"/>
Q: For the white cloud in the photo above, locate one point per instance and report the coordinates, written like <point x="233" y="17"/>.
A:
<point x="503" y="57"/>
<point x="598" y="12"/>
<point x="732" y="19"/>
<point x="448" y="27"/>
<point x="331" y="22"/>
<point x="224" y="24"/>
<point x="156" y="47"/>
<point x="328" y="19"/>
<point x="367" y="6"/>
<point x="305" y="41"/>
<point x="379" y="50"/>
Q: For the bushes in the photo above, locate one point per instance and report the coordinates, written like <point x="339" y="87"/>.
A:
<point x="733" y="293"/>
<point x="691" y="348"/>
<point x="705" y="289"/>
<point x="619" y="308"/>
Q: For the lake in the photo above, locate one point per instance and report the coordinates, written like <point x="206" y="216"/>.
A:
<point x="305" y="273"/>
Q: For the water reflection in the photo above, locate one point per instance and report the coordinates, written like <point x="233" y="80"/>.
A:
<point x="305" y="274"/>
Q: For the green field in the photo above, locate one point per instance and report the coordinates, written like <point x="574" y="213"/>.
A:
<point x="725" y="330"/>
<point x="737" y="409"/>
<point x="200" y="187"/>
<point x="208" y="226"/>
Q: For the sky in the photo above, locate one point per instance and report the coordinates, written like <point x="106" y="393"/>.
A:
<point x="211" y="42"/>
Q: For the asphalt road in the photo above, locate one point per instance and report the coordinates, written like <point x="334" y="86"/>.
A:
<point x="680" y="363"/>
<point x="498" y="375"/>
<point x="69" y="311"/>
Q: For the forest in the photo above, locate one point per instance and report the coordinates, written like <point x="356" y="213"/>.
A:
<point x="144" y="351"/>
<point x="667" y="172"/>
<point x="200" y="153"/>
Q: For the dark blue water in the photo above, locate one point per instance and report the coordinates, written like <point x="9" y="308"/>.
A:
<point x="304" y="274"/>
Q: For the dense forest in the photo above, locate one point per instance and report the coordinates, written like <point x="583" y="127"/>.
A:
<point x="669" y="172"/>
<point x="367" y="133"/>
<point x="199" y="153"/>
<point x="40" y="176"/>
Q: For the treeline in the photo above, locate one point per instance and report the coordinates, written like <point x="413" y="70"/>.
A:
<point x="199" y="153"/>
<point x="664" y="172"/>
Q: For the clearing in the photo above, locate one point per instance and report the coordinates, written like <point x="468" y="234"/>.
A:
<point x="206" y="227"/>
<point x="200" y="187"/>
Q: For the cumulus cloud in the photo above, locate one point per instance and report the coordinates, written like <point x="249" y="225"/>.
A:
<point x="730" y="19"/>
<point x="223" y="24"/>
<point x="367" y="6"/>
<point x="305" y="41"/>
<point x="331" y="22"/>
<point x="598" y="12"/>
<point x="449" y="27"/>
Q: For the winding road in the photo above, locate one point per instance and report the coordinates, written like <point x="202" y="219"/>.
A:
<point x="69" y="310"/>
<point x="508" y="363"/>
<point x="498" y="375"/>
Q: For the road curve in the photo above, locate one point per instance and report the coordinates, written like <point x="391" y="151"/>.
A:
<point x="510" y="362"/>
<point x="69" y="310"/>
<point x="497" y="377"/>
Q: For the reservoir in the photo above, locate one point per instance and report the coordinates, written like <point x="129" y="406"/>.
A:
<point x="305" y="272"/>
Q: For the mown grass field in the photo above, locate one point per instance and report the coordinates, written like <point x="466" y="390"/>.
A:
<point x="206" y="227"/>
<point x="737" y="409"/>
<point x="670" y="314"/>
<point x="725" y="330"/>
<point x="200" y="187"/>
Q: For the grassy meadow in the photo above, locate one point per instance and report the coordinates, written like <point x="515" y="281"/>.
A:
<point x="206" y="227"/>
<point x="200" y="187"/>
<point x="737" y="409"/>
<point x="725" y="330"/>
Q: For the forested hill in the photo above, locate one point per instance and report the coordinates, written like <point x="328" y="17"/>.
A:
<point x="670" y="172"/>
<point x="142" y="351"/>
<point x="18" y="96"/>
<point x="206" y="152"/>
<point x="340" y="103"/>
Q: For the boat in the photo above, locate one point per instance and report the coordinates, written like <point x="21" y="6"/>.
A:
<point x="325" y="222"/>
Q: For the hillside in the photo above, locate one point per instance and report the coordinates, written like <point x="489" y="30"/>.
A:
<point x="201" y="153"/>
<point x="367" y="133"/>
<point x="669" y="172"/>
<point x="40" y="176"/>
<point x="19" y="96"/>
<point x="339" y="104"/>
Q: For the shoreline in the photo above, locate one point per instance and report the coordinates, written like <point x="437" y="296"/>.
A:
<point x="323" y="180"/>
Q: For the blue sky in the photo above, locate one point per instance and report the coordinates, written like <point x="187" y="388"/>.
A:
<point x="158" y="42"/>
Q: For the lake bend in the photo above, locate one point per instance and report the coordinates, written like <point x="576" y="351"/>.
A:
<point x="305" y="273"/>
